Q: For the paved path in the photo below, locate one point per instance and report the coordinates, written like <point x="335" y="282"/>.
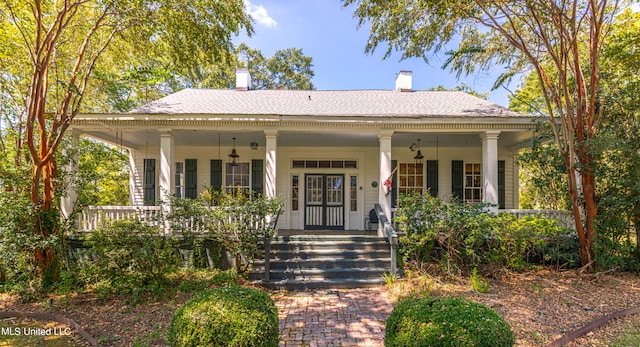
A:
<point x="336" y="317"/>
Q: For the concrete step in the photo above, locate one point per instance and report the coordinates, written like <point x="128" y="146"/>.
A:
<point x="308" y="260"/>
<point x="316" y="238"/>
<point x="340" y="245"/>
<point x="326" y="274"/>
<point x="327" y="255"/>
<point x="336" y="283"/>
<point x="372" y="263"/>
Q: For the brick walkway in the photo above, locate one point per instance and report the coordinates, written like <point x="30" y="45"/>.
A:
<point x="336" y="317"/>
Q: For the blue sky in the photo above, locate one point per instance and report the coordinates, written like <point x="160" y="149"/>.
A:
<point x="326" y="31"/>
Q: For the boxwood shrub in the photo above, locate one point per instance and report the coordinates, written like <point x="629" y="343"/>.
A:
<point x="226" y="316"/>
<point x="443" y="322"/>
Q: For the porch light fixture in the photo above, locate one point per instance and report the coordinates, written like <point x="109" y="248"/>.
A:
<point x="234" y="155"/>
<point x="418" y="158"/>
<point x="253" y="145"/>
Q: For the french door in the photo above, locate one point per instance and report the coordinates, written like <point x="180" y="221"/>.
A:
<point x="324" y="201"/>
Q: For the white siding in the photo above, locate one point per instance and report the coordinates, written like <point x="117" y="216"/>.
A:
<point x="367" y="172"/>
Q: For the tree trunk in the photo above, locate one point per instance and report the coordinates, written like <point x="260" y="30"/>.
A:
<point x="46" y="224"/>
<point x="587" y="252"/>
<point x="584" y="208"/>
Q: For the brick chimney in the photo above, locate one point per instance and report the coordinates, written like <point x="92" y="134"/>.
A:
<point x="404" y="81"/>
<point x="243" y="79"/>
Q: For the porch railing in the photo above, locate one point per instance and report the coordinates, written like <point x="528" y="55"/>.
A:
<point x="93" y="217"/>
<point x="565" y="218"/>
<point x="391" y="235"/>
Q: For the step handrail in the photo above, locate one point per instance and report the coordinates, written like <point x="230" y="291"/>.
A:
<point x="391" y="235"/>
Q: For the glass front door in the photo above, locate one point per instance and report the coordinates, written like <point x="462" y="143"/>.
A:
<point x="324" y="202"/>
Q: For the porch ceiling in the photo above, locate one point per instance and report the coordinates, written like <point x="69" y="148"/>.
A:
<point x="141" y="138"/>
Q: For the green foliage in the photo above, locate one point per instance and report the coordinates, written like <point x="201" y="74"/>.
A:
<point x="199" y="280"/>
<point x="478" y="283"/>
<point x="543" y="173"/>
<point x="18" y="243"/>
<point x="130" y="257"/>
<point x="442" y="322"/>
<point x="630" y="337"/>
<point x="615" y="150"/>
<point x="239" y="223"/>
<point x="226" y="316"/>
<point x="287" y="69"/>
<point x="462" y="237"/>
<point x="103" y="174"/>
<point x="389" y="278"/>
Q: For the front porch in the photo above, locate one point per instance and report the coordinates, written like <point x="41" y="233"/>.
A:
<point x="91" y="217"/>
<point x="301" y="259"/>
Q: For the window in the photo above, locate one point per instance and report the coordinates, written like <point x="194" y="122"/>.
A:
<point x="237" y="179"/>
<point x="354" y="193"/>
<point x="411" y="178"/>
<point x="149" y="182"/>
<point x="179" y="180"/>
<point x="324" y="164"/>
<point x="295" y="184"/>
<point x="472" y="183"/>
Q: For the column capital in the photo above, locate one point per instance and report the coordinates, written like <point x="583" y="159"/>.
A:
<point x="490" y="135"/>
<point x="385" y="133"/>
<point x="271" y="132"/>
<point x="165" y="131"/>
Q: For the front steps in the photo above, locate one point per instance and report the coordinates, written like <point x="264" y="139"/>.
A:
<point x="325" y="260"/>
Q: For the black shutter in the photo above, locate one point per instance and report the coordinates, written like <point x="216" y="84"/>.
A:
<point x="432" y="177"/>
<point x="501" y="183"/>
<point x="457" y="179"/>
<point x="394" y="184"/>
<point x="191" y="178"/>
<point x="216" y="175"/>
<point x="257" y="176"/>
<point x="149" y="182"/>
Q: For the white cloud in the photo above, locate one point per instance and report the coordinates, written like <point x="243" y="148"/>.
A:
<point x="260" y="15"/>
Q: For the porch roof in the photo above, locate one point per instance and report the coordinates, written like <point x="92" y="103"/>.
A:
<point x="345" y="103"/>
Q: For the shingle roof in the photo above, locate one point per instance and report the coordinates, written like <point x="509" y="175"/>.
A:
<point x="353" y="103"/>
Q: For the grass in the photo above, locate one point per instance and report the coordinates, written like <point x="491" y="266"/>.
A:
<point x="631" y="337"/>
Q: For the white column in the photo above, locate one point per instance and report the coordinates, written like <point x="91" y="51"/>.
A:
<point x="69" y="199"/>
<point x="384" y="199"/>
<point x="270" y="164"/>
<point x="490" y="166"/>
<point x="166" y="163"/>
<point x="516" y="185"/>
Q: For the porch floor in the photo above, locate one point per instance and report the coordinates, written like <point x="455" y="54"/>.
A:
<point x="298" y="232"/>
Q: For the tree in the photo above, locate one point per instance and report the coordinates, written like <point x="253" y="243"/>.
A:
<point x="561" y="41"/>
<point x="103" y="174"/>
<point x="123" y="88"/>
<point x="287" y="69"/>
<point x="50" y="50"/>
<point x="616" y="146"/>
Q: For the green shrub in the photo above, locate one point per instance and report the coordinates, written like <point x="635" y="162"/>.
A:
<point x="478" y="283"/>
<point x="461" y="237"/>
<point x="130" y="256"/>
<point x="237" y="223"/>
<point x="199" y="280"/>
<point x="226" y="316"/>
<point x="441" y="322"/>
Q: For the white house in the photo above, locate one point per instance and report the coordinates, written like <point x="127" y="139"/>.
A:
<point x="327" y="153"/>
